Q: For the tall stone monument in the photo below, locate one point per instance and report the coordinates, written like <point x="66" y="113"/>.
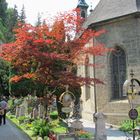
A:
<point x="100" y="130"/>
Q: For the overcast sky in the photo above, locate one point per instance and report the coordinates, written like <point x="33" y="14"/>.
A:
<point x="45" y="7"/>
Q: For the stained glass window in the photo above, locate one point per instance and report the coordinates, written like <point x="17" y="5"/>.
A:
<point x="118" y="72"/>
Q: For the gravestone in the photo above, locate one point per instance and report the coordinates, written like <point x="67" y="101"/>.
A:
<point x="17" y="111"/>
<point x="50" y="108"/>
<point x="30" y="115"/>
<point x="100" y="126"/>
<point x="76" y="125"/>
<point x="54" y="103"/>
<point x="21" y="111"/>
<point x="25" y="104"/>
<point x="35" y="113"/>
<point x="41" y="111"/>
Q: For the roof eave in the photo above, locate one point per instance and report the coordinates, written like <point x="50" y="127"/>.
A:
<point x="107" y="20"/>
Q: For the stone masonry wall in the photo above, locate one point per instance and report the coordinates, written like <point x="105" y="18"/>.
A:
<point x="123" y="32"/>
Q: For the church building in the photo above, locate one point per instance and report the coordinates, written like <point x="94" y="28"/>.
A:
<point x="121" y="20"/>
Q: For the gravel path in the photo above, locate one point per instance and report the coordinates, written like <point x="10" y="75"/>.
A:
<point x="10" y="132"/>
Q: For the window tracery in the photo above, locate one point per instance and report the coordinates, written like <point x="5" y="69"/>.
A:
<point x="118" y="72"/>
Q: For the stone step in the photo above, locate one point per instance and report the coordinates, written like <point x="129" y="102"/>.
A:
<point x="116" y="107"/>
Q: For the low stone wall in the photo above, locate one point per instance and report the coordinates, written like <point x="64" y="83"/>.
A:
<point x="115" y="111"/>
<point x="115" y="119"/>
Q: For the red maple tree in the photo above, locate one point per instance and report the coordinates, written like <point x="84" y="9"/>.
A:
<point x="49" y="54"/>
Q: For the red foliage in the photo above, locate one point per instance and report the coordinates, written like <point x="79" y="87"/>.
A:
<point x="45" y="53"/>
<point x="18" y="78"/>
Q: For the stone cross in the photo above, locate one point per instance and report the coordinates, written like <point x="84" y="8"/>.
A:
<point x="100" y="126"/>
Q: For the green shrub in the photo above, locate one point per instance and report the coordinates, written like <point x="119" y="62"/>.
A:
<point x="40" y="128"/>
<point x="54" y="115"/>
<point x="57" y="126"/>
<point x="28" y="126"/>
<point x="10" y="104"/>
<point x="46" y="138"/>
<point x="44" y="131"/>
<point x="36" y="127"/>
<point x="21" y="119"/>
<point x="54" y="123"/>
<point x="11" y="116"/>
<point x="28" y="120"/>
<point x="126" y="126"/>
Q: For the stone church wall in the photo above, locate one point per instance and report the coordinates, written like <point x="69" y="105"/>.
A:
<point x="125" y="33"/>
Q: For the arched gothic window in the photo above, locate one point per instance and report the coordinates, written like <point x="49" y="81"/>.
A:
<point x="87" y="74"/>
<point x="118" y="72"/>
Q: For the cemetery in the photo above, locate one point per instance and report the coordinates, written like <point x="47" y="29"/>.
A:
<point x="29" y="114"/>
<point x="78" y="65"/>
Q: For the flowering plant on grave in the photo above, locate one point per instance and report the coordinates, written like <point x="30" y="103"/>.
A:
<point x="84" y="134"/>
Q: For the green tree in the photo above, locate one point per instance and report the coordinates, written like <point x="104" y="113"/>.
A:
<point x="38" y="23"/>
<point x="12" y="20"/>
<point x="4" y="78"/>
<point x="3" y="30"/>
<point x="3" y="16"/>
<point x="44" y="22"/>
<point x="3" y="8"/>
<point x="22" y="17"/>
<point x="47" y="56"/>
<point x="8" y="21"/>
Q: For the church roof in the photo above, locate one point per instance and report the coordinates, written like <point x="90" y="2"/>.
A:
<point x="82" y="3"/>
<point x="110" y="9"/>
